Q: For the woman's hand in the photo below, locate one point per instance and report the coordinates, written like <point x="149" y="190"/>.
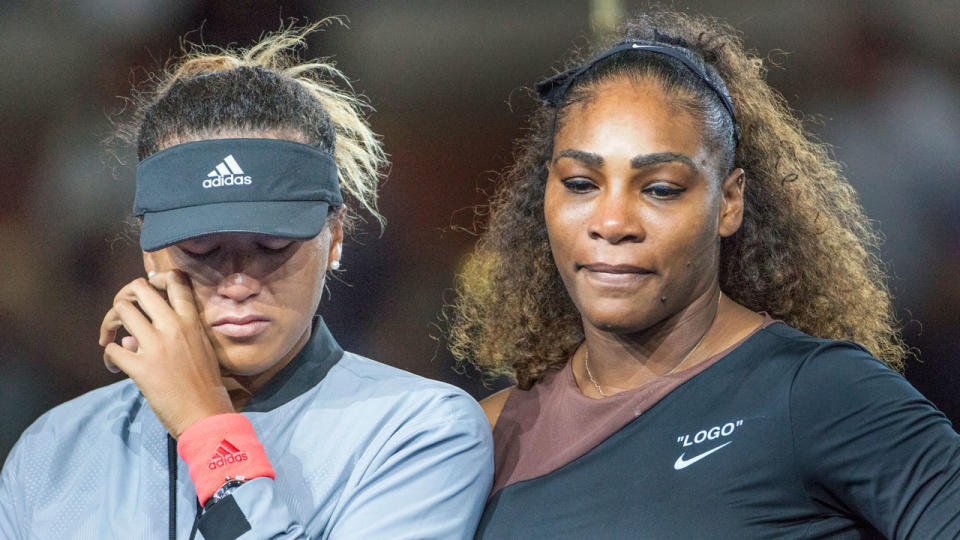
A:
<point x="167" y="354"/>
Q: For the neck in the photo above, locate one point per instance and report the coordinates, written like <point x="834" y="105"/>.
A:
<point x="242" y="387"/>
<point x="621" y="362"/>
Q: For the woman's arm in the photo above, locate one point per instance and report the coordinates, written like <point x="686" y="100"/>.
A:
<point x="869" y="442"/>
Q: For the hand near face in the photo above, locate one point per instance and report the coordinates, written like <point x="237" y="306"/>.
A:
<point x="167" y="354"/>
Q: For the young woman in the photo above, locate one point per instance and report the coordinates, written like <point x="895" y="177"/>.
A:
<point x="678" y="279"/>
<point x="280" y="433"/>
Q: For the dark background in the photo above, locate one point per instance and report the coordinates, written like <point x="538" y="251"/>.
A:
<point x="877" y="79"/>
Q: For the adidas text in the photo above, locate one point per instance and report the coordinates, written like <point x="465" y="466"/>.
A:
<point x="227" y="173"/>
<point x="230" y="180"/>
<point x="220" y="461"/>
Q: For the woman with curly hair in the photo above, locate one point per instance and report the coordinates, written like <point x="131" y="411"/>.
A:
<point x="251" y="166"/>
<point x="688" y="296"/>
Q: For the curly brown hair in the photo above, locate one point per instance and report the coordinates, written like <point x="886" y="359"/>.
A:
<point x="805" y="252"/>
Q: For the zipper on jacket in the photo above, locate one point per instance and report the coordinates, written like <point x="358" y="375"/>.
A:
<point x="172" y="487"/>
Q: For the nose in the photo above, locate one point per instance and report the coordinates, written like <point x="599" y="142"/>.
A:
<point x="239" y="281"/>
<point x="238" y="286"/>
<point x="615" y="218"/>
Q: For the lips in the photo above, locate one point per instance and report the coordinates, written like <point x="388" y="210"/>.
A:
<point x="616" y="275"/>
<point x="616" y="268"/>
<point x="246" y="326"/>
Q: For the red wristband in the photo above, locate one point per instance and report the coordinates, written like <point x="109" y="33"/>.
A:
<point x="221" y="446"/>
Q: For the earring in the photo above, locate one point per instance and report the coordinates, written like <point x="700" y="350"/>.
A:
<point x="335" y="264"/>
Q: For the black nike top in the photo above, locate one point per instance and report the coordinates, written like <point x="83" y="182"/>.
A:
<point x="787" y="436"/>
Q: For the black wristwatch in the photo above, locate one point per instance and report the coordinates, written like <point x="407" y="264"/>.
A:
<point x="229" y="486"/>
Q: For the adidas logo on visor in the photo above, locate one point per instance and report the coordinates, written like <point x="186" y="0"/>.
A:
<point x="226" y="454"/>
<point x="227" y="173"/>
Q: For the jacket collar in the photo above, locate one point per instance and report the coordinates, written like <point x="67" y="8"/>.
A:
<point x="306" y="370"/>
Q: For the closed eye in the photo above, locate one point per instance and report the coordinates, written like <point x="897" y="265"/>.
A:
<point x="663" y="191"/>
<point x="578" y="184"/>
<point x="275" y="244"/>
<point x="198" y="249"/>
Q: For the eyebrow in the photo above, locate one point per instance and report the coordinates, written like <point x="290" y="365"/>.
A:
<point x="588" y="158"/>
<point x="646" y="160"/>
<point x="638" y="162"/>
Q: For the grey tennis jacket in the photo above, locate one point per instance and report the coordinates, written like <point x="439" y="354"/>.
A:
<point x="360" y="450"/>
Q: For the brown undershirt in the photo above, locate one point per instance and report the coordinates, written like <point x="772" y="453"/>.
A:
<point x="528" y="443"/>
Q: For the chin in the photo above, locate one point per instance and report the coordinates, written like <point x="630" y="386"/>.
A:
<point x="243" y="369"/>
<point x="616" y="327"/>
<point x="245" y="360"/>
<point x="620" y="321"/>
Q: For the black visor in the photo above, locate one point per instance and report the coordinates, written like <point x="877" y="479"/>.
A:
<point x="265" y="186"/>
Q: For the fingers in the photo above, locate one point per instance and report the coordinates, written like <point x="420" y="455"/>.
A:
<point x="109" y="327"/>
<point x="118" y="359"/>
<point x="111" y="323"/>
<point x="133" y="320"/>
<point x="149" y="299"/>
<point x="126" y="315"/>
<point x="130" y="343"/>
<point x="133" y="293"/>
<point x="179" y="293"/>
<point x="143" y="325"/>
<point x="111" y="367"/>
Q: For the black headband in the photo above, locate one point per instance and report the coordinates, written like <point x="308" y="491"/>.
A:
<point x="553" y="90"/>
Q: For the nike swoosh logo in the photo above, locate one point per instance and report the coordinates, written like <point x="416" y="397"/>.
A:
<point x="684" y="463"/>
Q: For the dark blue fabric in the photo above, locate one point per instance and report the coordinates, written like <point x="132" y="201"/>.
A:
<point x="264" y="186"/>
<point x="305" y="371"/>
<point x="224" y="521"/>
<point x="278" y="170"/>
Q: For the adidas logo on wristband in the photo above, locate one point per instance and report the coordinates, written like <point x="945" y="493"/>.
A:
<point x="226" y="454"/>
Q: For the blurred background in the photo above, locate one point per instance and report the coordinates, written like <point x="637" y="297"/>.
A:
<point x="878" y="80"/>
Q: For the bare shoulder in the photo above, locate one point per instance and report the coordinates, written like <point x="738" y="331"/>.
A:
<point x="493" y="404"/>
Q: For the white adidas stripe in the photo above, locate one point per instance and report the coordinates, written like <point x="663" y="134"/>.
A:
<point x="232" y="163"/>
<point x="223" y="170"/>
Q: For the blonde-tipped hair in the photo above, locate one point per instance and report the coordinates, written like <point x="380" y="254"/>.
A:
<point x="357" y="149"/>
